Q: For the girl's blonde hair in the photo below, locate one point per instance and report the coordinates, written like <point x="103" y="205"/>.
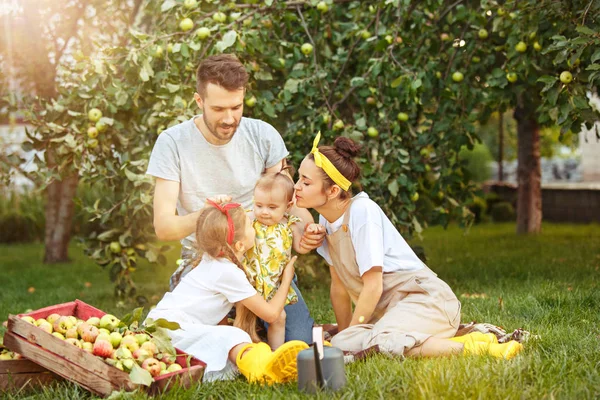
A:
<point x="281" y="179"/>
<point x="211" y="238"/>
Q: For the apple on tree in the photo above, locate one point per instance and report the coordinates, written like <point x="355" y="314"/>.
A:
<point x="566" y="77"/>
<point x="521" y="47"/>
<point x="338" y="124"/>
<point x="219" y="17"/>
<point x="94" y="115"/>
<point x="372" y="131"/>
<point x="322" y="6"/>
<point x="251" y="101"/>
<point x="189" y="4"/>
<point x="186" y="24"/>
<point x="511" y="77"/>
<point x="202" y="33"/>
<point x="306" y="48"/>
<point x="483" y="34"/>
<point x="458" y="76"/>
<point x="402" y="116"/>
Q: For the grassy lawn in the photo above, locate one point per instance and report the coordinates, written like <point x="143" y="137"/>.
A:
<point x="547" y="284"/>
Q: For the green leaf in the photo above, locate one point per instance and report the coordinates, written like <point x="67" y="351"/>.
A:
<point x="593" y="67"/>
<point x="291" y="85"/>
<point x="596" y="56"/>
<point x="417" y="225"/>
<point x="416" y="84"/>
<point x="167" y="5"/>
<point x="140" y="376"/>
<point x="549" y="81"/>
<point x="585" y="30"/>
<point x="163" y="323"/>
<point x="393" y="187"/>
<point x="146" y="72"/>
<point x="104" y="236"/>
<point x="396" y="82"/>
<point x="227" y="41"/>
<point x="357" y="81"/>
<point x="263" y="76"/>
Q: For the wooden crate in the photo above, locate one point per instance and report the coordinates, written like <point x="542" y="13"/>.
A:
<point x="18" y="374"/>
<point x="85" y="369"/>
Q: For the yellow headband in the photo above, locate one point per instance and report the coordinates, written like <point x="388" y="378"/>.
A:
<point x="323" y="162"/>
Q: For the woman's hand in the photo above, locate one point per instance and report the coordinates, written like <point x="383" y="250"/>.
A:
<point x="288" y="272"/>
<point x="313" y="236"/>
<point x="220" y="199"/>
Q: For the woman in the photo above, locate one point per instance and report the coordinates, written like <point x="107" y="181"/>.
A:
<point x="400" y="304"/>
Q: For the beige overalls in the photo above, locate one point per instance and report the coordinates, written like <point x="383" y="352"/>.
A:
<point x="414" y="305"/>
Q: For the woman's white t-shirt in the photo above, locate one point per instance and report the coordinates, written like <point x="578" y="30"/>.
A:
<point x="206" y="294"/>
<point x="377" y="243"/>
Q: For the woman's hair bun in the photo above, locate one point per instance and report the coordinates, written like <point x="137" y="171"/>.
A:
<point x="346" y="147"/>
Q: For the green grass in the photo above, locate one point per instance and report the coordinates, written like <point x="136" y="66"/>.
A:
<point x="547" y="284"/>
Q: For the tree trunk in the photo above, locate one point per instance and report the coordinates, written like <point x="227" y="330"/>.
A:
<point x="500" y="146"/>
<point x="529" y="198"/>
<point x="59" y="215"/>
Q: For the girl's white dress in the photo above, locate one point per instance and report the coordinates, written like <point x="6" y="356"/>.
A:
<point x="200" y="301"/>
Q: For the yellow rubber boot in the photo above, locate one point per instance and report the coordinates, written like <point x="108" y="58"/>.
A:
<point x="252" y="361"/>
<point x="283" y="364"/>
<point x="500" y="350"/>
<point x="477" y="337"/>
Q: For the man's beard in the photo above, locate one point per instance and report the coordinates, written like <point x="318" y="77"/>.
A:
<point x="213" y="129"/>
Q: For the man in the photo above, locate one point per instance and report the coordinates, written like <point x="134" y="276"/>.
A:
<point x="218" y="152"/>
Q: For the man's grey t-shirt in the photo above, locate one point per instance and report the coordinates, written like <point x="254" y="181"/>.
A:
<point x="204" y="170"/>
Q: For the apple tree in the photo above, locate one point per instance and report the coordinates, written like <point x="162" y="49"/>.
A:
<point x="409" y="80"/>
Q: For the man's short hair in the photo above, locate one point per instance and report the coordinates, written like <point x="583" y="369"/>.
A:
<point x="224" y="70"/>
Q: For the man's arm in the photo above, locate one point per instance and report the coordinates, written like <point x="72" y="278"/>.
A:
<point x="168" y="225"/>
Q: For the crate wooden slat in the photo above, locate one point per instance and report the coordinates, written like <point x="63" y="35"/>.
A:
<point x="17" y="374"/>
<point x="76" y="365"/>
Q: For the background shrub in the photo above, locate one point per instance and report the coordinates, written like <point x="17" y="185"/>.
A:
<point x="502" y="211"/>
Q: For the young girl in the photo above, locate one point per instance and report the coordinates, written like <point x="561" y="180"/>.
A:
<point x="401" y="306"/>
<point x="276" y="233"/>
<point x="201" y="301"/>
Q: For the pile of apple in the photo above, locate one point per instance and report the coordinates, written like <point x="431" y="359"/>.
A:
<point x="6" y="354"/>
<point x="102" y="337"/>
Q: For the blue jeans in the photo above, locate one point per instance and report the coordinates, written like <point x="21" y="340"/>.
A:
<point x="298" y="322"/>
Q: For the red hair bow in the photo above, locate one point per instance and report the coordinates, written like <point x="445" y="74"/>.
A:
<point x="225" y="210"/>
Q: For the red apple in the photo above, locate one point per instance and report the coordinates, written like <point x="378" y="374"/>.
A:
<point x="103" y="348"/>
<point x="89" y="333"/>
<point x="152" y="365"/>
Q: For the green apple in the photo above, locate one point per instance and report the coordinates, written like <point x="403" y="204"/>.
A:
<point x="174" y="367"/>
<point x="141" y="338"/>
<point x="251" y="101"/>
<point x="92" y="143"/>
<point x="123" y="352"/>
<point x="322" y="6"/>
<point x="338" y="124"/>
<point x="501" y="11"/>
<point x="71" y="333"/>
<point x="92" y="132"/>
<point x="115" y="339"/>
<point x="103" y="330"/>
<point x="476" y="59"/>
<point x="566" y="77"/>
<point x="511" y="77"/>
<point x="109" y="322"/>
<point x="158" y="51"/>
<point x="483" y="34"/>
<point x="115" y="247"/>
<point x="170" y="48"/>
<point x="414" y="197"/>
<point x="87" y="346"/>
<point x="326" y="118"/>
<point x="101" y="126"/>
<point x="202" y="33"/>
<point x="29" y="319"/>
<point x="458" y="76"/>
<point x="58" y="335"/>
<point x="372" y="131"/>
<point x="306" y="48"/>
<point x="94" y="115"/>
<point x="62" y="325"/>
<point x="219" y="17"/>
<point x="95" y="321"/>
<point x="521" y="47"/>
<point x="445" y="37"/>
<point x="189" y="4"/>
<point x="402" y="116"/>
<point x="365" y="34"/>
<point x="186" y="24"/>
<point x="130" y="343"/>
<point x="438" y="74"/>
<point x="6" y="356"/>
<point x="103" y="336"/>
<point x="512" y="15"/>
<point x="532" y="35"/>
<point x="44" y="325"/>
<point x="389" y="39"/>
<point x="537" y="46"/>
